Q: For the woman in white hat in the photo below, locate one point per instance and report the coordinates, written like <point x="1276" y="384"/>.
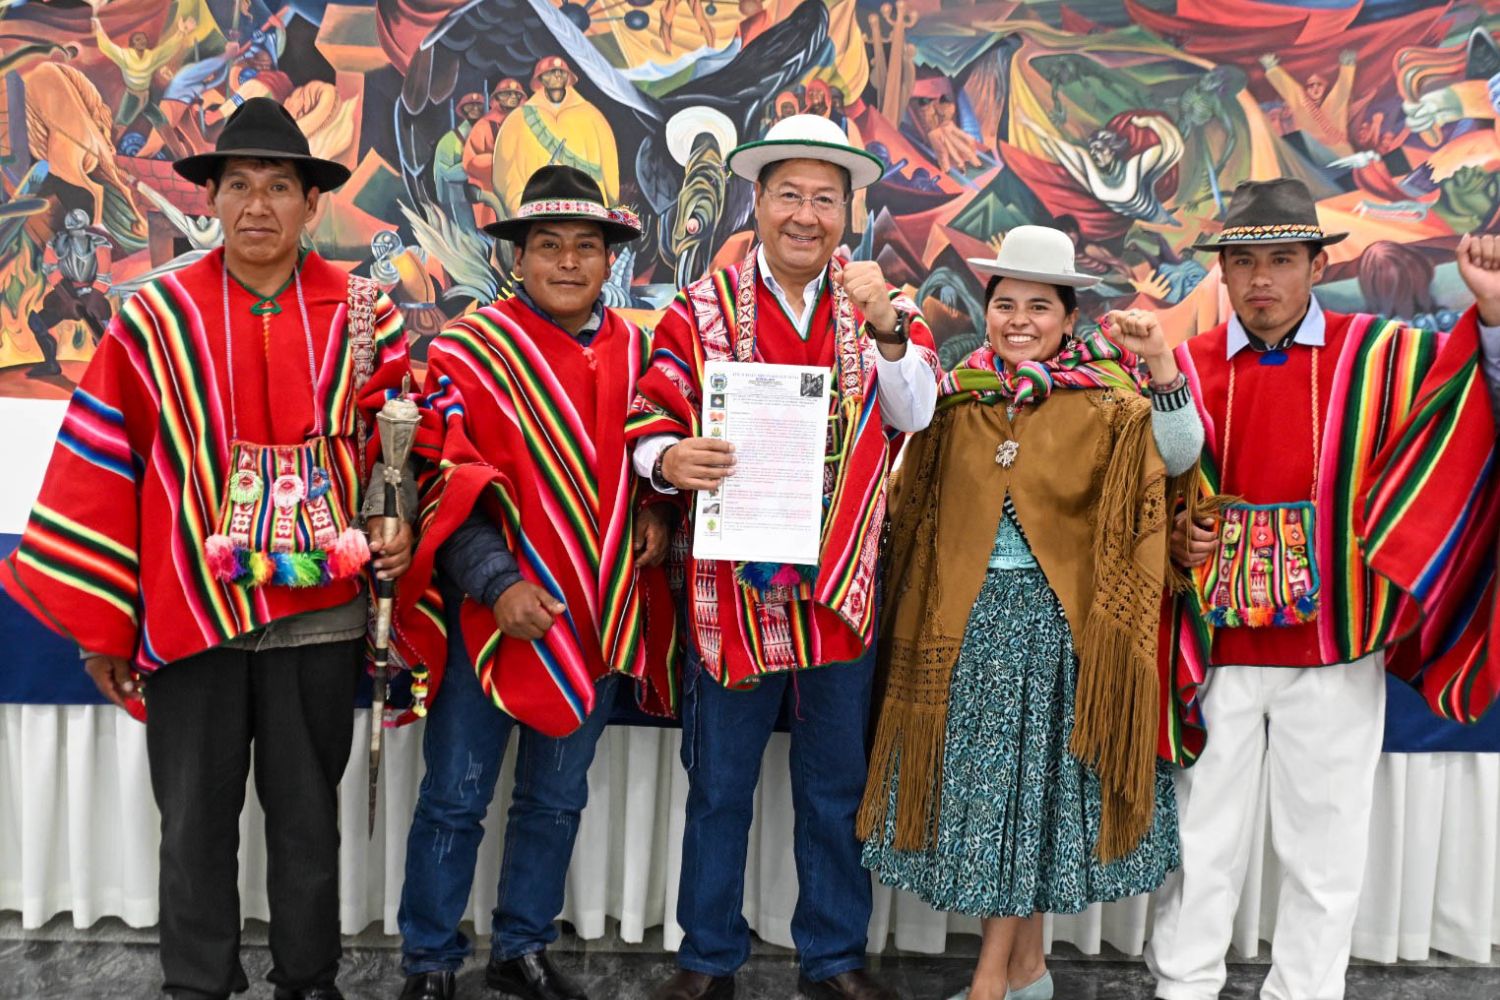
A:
<point x="1014" y="768"/>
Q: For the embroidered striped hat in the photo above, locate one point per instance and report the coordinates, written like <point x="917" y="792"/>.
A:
<point x="556" y="193"/>
<point x="1264" y="212"/>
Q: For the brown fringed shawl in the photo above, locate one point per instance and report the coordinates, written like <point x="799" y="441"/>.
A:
<point x="1090" y="491"/>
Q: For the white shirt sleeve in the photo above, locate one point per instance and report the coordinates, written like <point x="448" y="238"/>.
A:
<point x="907" y="390"/>
<point x="644" y="459"/>
<point x="1489" y="346"/>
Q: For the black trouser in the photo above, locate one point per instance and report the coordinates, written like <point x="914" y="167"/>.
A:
<point x="296" y="707"/>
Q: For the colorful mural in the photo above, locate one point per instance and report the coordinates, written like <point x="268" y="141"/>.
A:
<point x="1124" y="123"/>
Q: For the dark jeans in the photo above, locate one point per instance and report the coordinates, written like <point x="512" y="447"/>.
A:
<point x="294" y="709"/>
<point x="724" y="736"/>
<point x="463" y="747"/>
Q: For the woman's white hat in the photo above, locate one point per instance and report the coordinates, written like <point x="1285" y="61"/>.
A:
<point x="1035" y="253"/>
<point x="807" y="137"/>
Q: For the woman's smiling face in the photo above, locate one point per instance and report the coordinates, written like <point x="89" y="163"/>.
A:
<point x="1026" y="321"/>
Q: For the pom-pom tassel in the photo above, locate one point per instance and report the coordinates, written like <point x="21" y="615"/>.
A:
<point x="298" y="569"/>
<point x="261" y="569"/>
<point x="349" y="554"/>
<point x="419" y="693"/>
<point x="219" y="551"/>
<point x="762" y="576"/>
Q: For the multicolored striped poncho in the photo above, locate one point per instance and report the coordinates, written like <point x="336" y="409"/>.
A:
<point x="1407" y="516"/>
<point x="113" y="556"/>
<point x="739" y="632"/>
<point x="528" y="425"/>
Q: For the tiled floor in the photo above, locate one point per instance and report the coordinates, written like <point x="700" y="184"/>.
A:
<point x="112" y="961"/>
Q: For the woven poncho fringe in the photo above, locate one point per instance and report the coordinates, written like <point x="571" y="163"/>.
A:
<point x="1117" y="711"/>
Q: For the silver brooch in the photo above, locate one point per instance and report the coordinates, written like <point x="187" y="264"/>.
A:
<point x="1005" y="455"/>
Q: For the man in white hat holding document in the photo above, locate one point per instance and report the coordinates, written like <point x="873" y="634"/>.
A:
<point x="753" y="624"/>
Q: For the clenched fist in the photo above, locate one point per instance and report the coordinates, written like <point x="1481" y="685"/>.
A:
<point x="1140" y="333"/>
<point x="865" y="285"/>
<point x="1479" y="266"/>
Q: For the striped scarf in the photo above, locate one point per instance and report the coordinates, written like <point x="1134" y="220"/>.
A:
<point x="1088" y="362"/>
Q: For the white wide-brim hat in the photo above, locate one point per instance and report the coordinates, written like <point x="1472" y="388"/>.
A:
<point x="807" y="137"/>
<point x="1036" y="253"/>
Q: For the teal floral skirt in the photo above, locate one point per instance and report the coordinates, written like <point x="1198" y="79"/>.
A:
<point x="1019" y="815"/>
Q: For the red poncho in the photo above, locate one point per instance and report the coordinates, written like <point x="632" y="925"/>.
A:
<point x="113" y="555"/>
<point x="529" y="425"/>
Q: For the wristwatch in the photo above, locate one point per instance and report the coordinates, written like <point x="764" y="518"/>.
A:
<point x="895" y="337"/>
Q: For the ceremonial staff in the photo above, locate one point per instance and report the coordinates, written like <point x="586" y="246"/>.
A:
<point x="398" y="420"/>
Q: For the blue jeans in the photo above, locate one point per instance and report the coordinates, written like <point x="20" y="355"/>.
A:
<point x="724" y="735"/>
<point x="463" y="746"/>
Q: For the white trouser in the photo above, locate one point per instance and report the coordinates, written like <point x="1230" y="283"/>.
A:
<point x="1314" y="735"/>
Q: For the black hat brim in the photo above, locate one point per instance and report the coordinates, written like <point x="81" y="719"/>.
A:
<point x="325" y="175"/>
<point x="514" y="230"/>
<point x="1327" y="240"/>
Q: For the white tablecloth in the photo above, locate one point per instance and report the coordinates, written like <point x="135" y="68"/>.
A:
<point x="78" y="833"/>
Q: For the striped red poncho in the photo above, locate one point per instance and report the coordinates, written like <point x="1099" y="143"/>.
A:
<point x="738" y="632"/>
<point x="1408" y="508"/>
<point x="529" y="425"/>
<point x="113" y="555"/>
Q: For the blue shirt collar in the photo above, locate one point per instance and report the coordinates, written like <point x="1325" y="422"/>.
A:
<point x="590" y="326"/>
<point x="1309" y="334"/>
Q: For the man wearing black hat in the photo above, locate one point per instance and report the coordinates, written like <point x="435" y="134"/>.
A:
<point x="198" y="526"/>
<point x="1357" y="450"/>
<point x="549" y="585"/>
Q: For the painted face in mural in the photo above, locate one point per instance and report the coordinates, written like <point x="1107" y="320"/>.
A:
<point x="1026" y="321"/>
<point x="837" y="97"/>
<point x="508" y="100"/>
<point x="140" y="42"/>
<point x="800" y="239"/>
<point x="1270" y="286"/>
<point x="472" y="111"/>
<point x="1316" y="88"/>
<point x="563" y="266"/>
<point x="264" y="209"/>
<point x="817" y="102"/>
<point x="555" y="81"/>
<point x="1105" y="148"/>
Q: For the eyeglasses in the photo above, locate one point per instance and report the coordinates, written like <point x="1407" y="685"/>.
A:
<point x="824" y="205"/>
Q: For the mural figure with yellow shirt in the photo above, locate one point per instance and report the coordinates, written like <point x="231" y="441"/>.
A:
<point x="1317" y="110"/>
<point x="555" y="125"/>
<point x="138" y="65"/>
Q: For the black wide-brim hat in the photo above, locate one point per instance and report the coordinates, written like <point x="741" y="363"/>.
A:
<point x="1266" y="212"/>
<point x="556" y="193"/>
<point x="261" y="129"/>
